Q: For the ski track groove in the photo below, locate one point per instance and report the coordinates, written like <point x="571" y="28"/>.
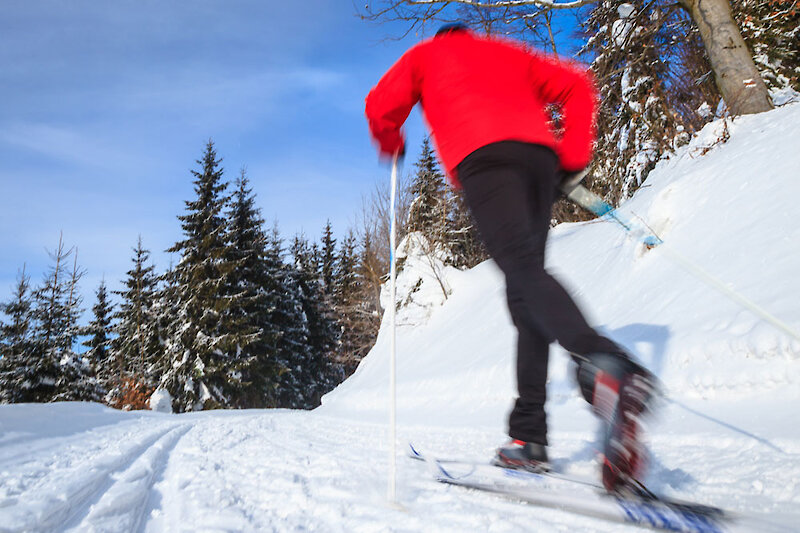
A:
<point x="65" y="482"/>
<point x="11" y="453"/>
<point x="121" y="504"/>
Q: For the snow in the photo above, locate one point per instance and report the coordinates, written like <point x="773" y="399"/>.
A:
<point x="728" y="432"/>
<point x="161" y="401"/>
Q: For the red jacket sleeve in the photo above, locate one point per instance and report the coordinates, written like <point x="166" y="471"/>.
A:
<point x="391" y="100"/>
<point x="571" y="87"/>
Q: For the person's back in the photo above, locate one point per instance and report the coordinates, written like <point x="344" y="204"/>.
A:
<point x="476" y="91"/>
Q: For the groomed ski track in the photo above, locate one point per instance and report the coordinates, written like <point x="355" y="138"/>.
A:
<point x="300" y="471"/>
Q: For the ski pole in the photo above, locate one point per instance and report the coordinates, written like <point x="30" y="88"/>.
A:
<point x="392" y="493"/>
<point x="594" y="204"/>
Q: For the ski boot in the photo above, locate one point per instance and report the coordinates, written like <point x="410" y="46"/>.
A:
<point x="620" y="392"/>
<point x="521" y="455"/>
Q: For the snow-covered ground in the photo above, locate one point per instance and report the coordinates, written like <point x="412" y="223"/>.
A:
<point x="727" y="434"/>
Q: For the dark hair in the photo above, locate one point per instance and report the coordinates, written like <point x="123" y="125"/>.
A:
<point x="452" y="27"/>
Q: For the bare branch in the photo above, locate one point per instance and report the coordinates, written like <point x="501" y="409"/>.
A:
<point x="545" y="4"/>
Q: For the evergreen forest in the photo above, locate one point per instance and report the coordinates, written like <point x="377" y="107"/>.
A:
<point x="244" y="319"/>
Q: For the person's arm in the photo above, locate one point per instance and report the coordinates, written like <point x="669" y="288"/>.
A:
<point x="572" y="88"/>
<point x="390" y="101"/>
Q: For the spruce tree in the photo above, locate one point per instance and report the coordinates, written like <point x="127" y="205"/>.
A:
<point x="349" y="300"/>
<point x="328" y="259"/>
<point x="318" y="374"/>
<point x="428" y="211"/>
<point x="256" y="296"/>
<point x="15" y="344"/>
<point x="99" y="331"/>
<point x="165" y="310"/>
<point x="136" y="356"/>
<point x="54" y="372"/>
<point x="462" y="240"/>
<point x="206" y="342"/>
<point x="345" y="286"/>
<point x="294" y="352"/>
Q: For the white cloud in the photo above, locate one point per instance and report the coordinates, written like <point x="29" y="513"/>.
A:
<point x="66" y="145"/>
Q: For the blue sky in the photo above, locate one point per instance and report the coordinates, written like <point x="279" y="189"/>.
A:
<point x="107" y="105"/>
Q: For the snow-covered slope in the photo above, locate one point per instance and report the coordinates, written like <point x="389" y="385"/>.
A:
<point x="728" y="434"/>
<point x="730" y="207"/>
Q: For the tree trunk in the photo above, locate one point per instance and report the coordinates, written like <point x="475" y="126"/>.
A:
<point x="736" y="75"/>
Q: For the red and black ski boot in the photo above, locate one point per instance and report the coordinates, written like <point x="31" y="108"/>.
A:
<point x="620" y="392"/>
<point x="521" y="455"/>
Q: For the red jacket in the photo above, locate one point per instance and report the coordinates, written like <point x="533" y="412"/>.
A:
<point x="478" y="90"/>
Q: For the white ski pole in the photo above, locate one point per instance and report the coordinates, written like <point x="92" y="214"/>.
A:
<point x="393" y="356"/>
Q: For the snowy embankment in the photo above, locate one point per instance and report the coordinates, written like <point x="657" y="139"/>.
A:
<point x="728" y="434"/>
<point x="733" y="211"/>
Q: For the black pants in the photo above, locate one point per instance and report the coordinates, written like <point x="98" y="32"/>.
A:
<point x="510" y="188"/>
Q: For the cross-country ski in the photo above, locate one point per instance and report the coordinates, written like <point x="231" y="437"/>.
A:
<point x="582" y="496"/>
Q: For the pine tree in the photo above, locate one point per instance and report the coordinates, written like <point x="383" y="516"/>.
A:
<point x="352" y="306"/>
<point x="166" y="307"/>
<point x="328" y="259"/>
<point x="428" y="211"/>
<point x="54" y="372"/>
<point x="318" y="374"/>
<point x="15" y="345"/>
<point x="345" y="286"/>
<point x="206" y="341"/>
<point x="257" y="296"/>
<point x="99" y="331"/>
<point x="137" y="353"/>
<point x="293" y="349"/>
<point x="464" y="245"/>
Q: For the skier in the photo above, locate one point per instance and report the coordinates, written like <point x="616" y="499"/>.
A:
<point x="484" y="100"/>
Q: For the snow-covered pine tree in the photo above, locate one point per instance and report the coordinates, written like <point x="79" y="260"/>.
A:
<point x="319" y="373"/>
<point x="771" y="28"/>
<point x="345" y="275"/>
<point x="15" y="344"/>
<point x="428" y="211"/>
<point x="371" y="275"/>
<point x="53" y="371"/>
<point x="166" y="306"/>
<point x="136" y="354"/>
<point x="328" y="259"/>
<point x="41" y="368"/>
<point x="293" y="350"/>
<point x="463" y="242"/>
<point x="636" y="124"/>
<point x="257" y="296"/>
<point x="205" y="341"/>
<point x="349" y="300"/>
<point x="99" y="332"/>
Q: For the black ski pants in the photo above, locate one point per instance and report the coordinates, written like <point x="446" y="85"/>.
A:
<point x="510" y="188"/>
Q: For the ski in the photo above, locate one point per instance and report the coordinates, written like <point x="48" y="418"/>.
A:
<point x="588" y="498"/>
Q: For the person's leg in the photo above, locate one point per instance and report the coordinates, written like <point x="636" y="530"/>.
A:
<point x="528" y="420"/>
<point x="510" y="188"/>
